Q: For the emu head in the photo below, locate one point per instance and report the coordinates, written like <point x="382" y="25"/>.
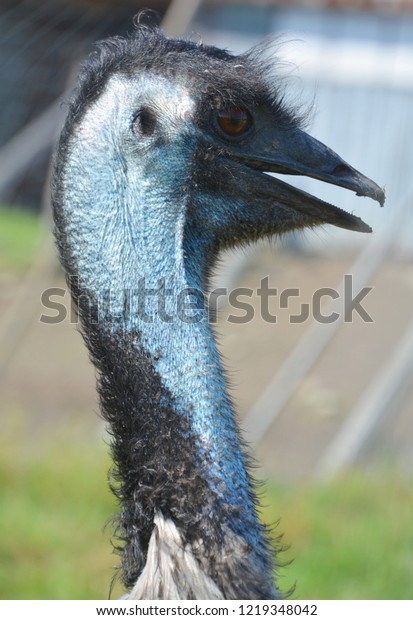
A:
<point x="164" y="156"/>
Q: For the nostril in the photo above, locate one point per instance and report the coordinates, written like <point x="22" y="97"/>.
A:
<point x="341" y="169"/>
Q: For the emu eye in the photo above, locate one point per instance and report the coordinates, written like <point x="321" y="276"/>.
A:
<point x="234" y="121"/>
<point x="144" y="123"/>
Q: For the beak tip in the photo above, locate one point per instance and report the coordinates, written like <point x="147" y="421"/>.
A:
<point x="363" y="227"/>
<point x="376" y="193"/>
<point x="381" y="196"/>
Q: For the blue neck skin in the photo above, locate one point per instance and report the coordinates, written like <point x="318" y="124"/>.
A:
<point x="125" y="232"/>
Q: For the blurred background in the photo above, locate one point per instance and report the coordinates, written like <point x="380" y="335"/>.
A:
<point x="327" y="408"/>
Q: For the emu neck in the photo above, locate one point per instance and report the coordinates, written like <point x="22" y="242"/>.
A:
<point x="150" y="300"/>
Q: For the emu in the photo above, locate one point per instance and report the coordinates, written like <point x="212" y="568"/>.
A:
<point x="161" y="165"/>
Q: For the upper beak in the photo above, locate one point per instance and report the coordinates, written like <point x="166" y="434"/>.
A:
<point x="295" y="152"/>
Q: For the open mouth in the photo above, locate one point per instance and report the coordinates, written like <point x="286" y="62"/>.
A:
<point x="320" y="209"/>
<point x="319" y="162"/>
<point x="305" y="156"/>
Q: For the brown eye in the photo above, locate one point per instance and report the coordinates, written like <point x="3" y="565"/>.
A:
<point x="234" y="121"/>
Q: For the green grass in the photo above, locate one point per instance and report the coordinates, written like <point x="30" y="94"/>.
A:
<point x="55" y="503"/>
<point x="350" y="539"/>
<point x="20" y="232"/>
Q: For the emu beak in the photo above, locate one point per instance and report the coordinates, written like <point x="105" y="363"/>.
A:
<point x="297" y="153"/>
